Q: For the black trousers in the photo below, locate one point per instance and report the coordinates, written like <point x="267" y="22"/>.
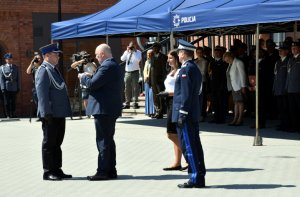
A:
<point x="192" y="150"/>
<point x="9" y="98"/>
<point x="54" y="133"/>
<point x="219" y="105"/>
<point x="283" y="111"/>
<point x="105" y="130"/>
<point x="294" y="110"/>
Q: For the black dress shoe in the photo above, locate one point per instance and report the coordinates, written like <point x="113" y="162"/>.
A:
<point x="136" y="106"/>
<point x="158" y="116"/>
<point x="51" y="177"/>
<point x="172" y="168"/>
<point x="62" y="175"/>
<point x="126" y="107"/>
<point x="98" y="178"/>
<point x="113" y="176"/>
<point x="191" y="185"/>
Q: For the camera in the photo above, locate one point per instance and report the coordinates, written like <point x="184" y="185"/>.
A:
<point x="83" y="55"/>
<point x="36" y="60"/>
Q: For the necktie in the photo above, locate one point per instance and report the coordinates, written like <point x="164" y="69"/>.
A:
<point x="128" y="61"/>
<point x="57" y="71"/>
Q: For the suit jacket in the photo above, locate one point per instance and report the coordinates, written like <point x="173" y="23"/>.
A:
<point x="9" y="78"/>
<point x="106" y="87"/>
<point x="158" y="70"/>
<point x="186" y="93"/>
<point x="280" y="74"/>
<point x="218" y="76"/>
<point x="293" y="76"/>
<point x="236" y="76"/>
<point x="51" y="92"/>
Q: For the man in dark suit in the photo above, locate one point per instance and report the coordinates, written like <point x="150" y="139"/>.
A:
<point x="218" y="84"/>
<point x="53" y="107"/>
<point x="105" y="104"/>
<point x="186" y="113"/>
<point x="293" y="88"/>
<point x="157" y="77"/>
<point x="10" y="85"/>
<point x="279" y="90"/>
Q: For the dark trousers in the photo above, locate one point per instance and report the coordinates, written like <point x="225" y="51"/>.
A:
<point x="158" y="101"/>
<point x="283" y="111"/>
<point x="105" y="130"/>
<point x="192" y="150"/>
<point x="294" y="110"/>
<point x="9" y="103"/>
<point x="54" y="133"/>
<point x="219" y="106"/>
<point x="2" y="106"/>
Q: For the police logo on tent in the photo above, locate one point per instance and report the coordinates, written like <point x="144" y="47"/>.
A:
<point x="176" y="20"/>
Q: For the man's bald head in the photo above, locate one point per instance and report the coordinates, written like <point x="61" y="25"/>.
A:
<point x="103" y="52"/>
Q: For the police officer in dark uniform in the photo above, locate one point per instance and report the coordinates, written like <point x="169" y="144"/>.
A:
<point x="186" y="113"/>
<point x="293" y="88"/>
<point x="279" y="90"/>
<point x="53" y="107"/>
<point x="10" y="85"/>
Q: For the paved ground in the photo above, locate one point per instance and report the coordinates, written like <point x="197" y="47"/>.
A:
<point x="234" y="166"/>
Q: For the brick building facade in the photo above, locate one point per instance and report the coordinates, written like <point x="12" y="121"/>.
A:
<point x="25" y="27"/>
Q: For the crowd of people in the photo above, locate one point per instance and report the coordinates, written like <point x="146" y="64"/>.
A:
<point x="229" y="84"/>
<point x="187" y="84"/>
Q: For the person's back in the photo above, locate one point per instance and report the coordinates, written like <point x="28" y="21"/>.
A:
<point x="106" y="94"/>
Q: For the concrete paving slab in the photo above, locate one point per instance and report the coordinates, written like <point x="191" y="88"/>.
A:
<point x="234" y="166"/>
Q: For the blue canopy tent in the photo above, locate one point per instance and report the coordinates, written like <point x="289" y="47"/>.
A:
<point x="121" y="18"/>
<point x="203" y="14"/>
<point x="189" y="17"/>
<point x="144" y="16"/>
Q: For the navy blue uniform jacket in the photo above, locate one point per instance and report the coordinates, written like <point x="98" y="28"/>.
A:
<point x="51" y="92"/>
<point x="186" y="93"/>
<point x="106" y="87"/>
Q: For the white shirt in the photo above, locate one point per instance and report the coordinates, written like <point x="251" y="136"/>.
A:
<point x="170" y="81"/>
<point x="132" y="63"/>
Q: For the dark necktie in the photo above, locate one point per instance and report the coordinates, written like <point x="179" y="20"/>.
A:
<point x="128" y="61"/>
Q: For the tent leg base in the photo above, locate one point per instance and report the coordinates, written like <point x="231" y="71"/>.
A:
<point x="257" y="141"/>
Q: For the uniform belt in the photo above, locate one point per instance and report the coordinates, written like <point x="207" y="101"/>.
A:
<point x="132" y="71"/>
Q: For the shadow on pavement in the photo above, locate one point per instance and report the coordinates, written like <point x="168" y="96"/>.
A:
<point x="147" y="122"/>
<point x="244" y="130"/>
<point x="131" y="177"/>
<point x="249" y="186"/>
<point x="154" y="177"/>
<point x="233" y="169"/>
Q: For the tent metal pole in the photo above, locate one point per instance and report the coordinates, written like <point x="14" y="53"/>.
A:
<point x="106" y="41"/>
<point x="172" y="40"/>
<point x="257" y="139"/>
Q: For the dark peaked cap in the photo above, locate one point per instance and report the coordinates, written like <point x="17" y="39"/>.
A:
<point x="50" y="48"/>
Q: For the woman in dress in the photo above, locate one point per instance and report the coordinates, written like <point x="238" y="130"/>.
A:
<point x="236" y="83"/>
<point x="169" y="83"/>
<point x="149" y="103"/>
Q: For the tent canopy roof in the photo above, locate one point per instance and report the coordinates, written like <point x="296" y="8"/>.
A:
<point x="183" y="17"/>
